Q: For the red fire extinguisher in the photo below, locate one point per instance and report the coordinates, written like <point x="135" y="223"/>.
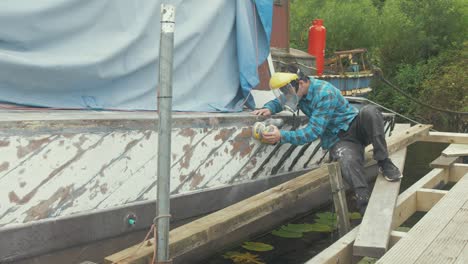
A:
<point x="317" y="36"/>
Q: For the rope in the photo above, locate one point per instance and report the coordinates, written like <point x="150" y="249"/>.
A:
<point x="142" y="242"/>
<point x="378" y="72"/>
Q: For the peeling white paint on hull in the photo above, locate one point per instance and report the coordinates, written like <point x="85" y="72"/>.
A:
<point x="61" y="163"/>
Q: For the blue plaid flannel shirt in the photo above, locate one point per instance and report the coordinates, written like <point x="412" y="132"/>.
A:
<point x="328" y="112"/>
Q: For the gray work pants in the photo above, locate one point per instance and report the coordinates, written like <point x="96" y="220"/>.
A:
<point x="366" y="128"/>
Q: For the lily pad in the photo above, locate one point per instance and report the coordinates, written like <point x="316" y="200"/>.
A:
<point x="230" y="254"/>
<point x="403" y="229"/>
<point x="257" y="246"/>
<point x="324" y="221"/>
<point x="326" y="215"/>
<point x="242" y="258"/>
<point x="317" y="227"/>
<point x="286" y="234"/>
<point x="355" y="216"/>
<point x="299" y="228"/>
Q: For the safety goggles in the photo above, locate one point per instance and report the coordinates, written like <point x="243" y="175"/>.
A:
<point x="287" y="96"/>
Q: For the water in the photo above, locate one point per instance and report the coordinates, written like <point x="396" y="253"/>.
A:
<point x="299" y="250"/>
<point x="418" y="157"/>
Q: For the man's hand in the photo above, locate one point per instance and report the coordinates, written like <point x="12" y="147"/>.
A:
<point x="262" y="112"/>
<point x="273" y="136"/>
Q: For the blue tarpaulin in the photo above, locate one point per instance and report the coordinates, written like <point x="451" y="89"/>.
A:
<point x="104" y="54"/>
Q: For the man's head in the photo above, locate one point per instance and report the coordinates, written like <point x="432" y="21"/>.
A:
<point x="303" y="81"/>
<point x="289" y="87"/>
<point x="285" y="87"/>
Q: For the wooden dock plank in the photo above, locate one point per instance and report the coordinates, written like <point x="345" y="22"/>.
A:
<point x="457" y="171"/>
<point x="399" y="141"/>
<point x="420" y="237"/>
<point x="374" y="232"/>
<point x="395" y="236"/>
<point x="445" y="137"/>
<point x="341" y="250"/>
<point x="463" y="257"/>
<point x="450" y="241"/>
<point x="427" y="198"/>
<point x="443" y="162"/>
<point x="455" y="150"/>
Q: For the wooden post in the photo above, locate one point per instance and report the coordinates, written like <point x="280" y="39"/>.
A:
<point x="339" y="198"/>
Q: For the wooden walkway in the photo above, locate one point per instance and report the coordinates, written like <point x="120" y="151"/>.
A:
<point x="441" y="236"/>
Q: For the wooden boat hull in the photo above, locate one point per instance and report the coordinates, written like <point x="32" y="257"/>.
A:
<point x="75" y="177"/>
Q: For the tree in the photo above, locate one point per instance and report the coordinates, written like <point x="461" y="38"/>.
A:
<point x="349" y="24"/>
<point x="415" y="30"/>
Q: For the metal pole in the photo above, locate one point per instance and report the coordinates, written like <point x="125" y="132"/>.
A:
<point x="339" y="198"/>
<point x="164" y="131"/>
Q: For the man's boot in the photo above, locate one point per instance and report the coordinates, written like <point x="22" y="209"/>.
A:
<point x="389" y="170"/>
<point x="362" y="199"/>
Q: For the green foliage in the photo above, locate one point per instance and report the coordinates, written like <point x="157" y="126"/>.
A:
<point x="447" y="88"/>
<point x="257" y="246"/>
<point x="439" y="82"/>
<point x="414" y="30"/>
<point x="349" y="23"/>
<point x="418" y="44"/>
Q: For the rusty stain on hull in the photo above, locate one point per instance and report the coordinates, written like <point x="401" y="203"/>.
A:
<point x="242" y="144"/>
<point x="32" y="146"/>
<point x="4" y="143"/>
<point x="4" y="166"/>
<point x="13" y="197"/>
<point x="45" y="208"/>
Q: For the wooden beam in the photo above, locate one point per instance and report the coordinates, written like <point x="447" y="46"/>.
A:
<point x="440" y="177"/>
<point x="406" y="207"/>
<point x="455" y="150"/>
<point x="402" y="140"/>
<point x="216" y="226"/>
<point x="374" y="232"/>
<point x="445" y="137"/>
<point x="407" y="201"/>
<point x="443" y="162"/>
<point x="457" y="171"/>
<point x="341" y="250"/>
<point x="339" y="197"/>
<point x="442" y="231"/>
<point x="219" y="224"/>
<point x="395" y="236"/>
<point x="463" y="257"/>
<point x="427" y="198"/>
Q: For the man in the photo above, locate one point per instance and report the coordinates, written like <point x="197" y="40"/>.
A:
<point x="343" y="129"/>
